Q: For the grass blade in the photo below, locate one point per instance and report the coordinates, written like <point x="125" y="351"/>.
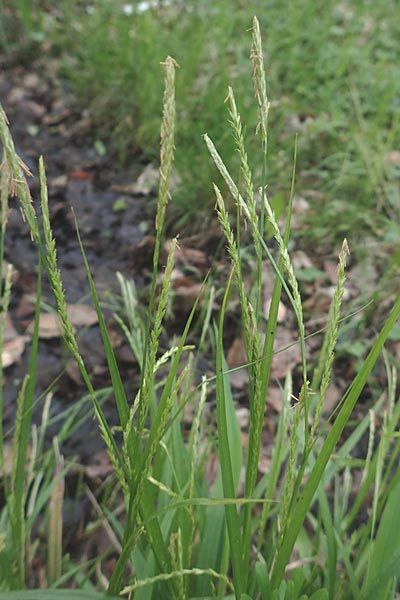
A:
<point x="56" y="595"/>
<point x="20" y="444"/>
<point x="229" y="487"/>
<point x="332" y="439"/>
<point x="385" y="548"/>
<point x="117" y="385"/>
<point x="54" y="552"/>
<point x="141" y="495"/>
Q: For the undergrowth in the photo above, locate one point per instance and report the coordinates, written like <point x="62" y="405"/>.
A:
<point x="301" y="530"/>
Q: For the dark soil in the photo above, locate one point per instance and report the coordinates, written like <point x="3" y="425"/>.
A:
<point x="43" y="122"/>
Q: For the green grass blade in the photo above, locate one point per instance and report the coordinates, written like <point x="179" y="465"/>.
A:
<point x="5" y="301"/>
<point x="229" y="488"/>
<point x="233" y="429"/>
<point x="345" y="555"/>
<point x="56" y="595"/>
<point x="21" y="440"/>
<point x="331" y="563"/>
<point x="140" y="494"/>
<point x="376" y="589"/>
<point x="5" y="293"/>
<point x="332" y="439"/>
<point x="385" y="546"/>
<point x="117" y="385"/>
<point x="278" y="458"/>
<point x="16" y="500"/>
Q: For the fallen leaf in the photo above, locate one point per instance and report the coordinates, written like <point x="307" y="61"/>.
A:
<point x="57" y="116"/>
<point x="264" y="462"/>
<point x="32" y="108"/>
<point x="33" y="81"/>
<point x="10" y="332"/>
<point x="16" y="94"/>
<point x="287" y="353"/>
<point x="188" y="257"/>
<point x="50" y="325"/>
<point x="274" y="398"/>
<point x="185" y="296"/>
<point x="318" y="304"/>
<point x="287" y="356"/>
<point x="243" y="416"/>
<point x="14" y="273"/>
<point x="142" y="253"/>
<point x="13" y="350"/>
<point x="331" y="269"/>
<point x="80" y="175"/>
<point x="82" y="315"/>
<point x="73" y="372"/>
<point x="235" y="359"/>
<point x="147" y="182"/>
<point x="57" y="184"/>
<point x="282" y="310"/>
<point x="25" y="308"/>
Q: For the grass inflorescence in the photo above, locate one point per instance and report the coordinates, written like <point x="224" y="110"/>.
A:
<point x="183" y="533"/>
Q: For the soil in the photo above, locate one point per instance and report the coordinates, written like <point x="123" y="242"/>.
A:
<point x="112" y="221"/>
<point x="115" y="210"/>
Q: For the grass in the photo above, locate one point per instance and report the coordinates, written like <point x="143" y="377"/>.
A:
<point x="300" y="530"/>
<point x="332" y="71"/>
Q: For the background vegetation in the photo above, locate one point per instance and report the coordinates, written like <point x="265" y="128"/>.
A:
<point x="320" y="523"/>
<point x="332" y="73"/>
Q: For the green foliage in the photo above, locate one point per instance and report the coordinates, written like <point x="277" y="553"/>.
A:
<point x="332" y="71"/>
<point x="55" y="595"/>
<point x="296" y="532"/>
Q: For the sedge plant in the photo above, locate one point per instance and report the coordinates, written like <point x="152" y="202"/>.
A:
<point x="295" y="532"/>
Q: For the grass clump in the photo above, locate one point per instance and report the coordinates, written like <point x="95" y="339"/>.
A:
<point x="295" y="532"/>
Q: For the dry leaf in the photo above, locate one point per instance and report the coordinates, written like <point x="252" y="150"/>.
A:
<point x="274" y="398"/>
<point x="57" y="184"/>
<point x="287" y="353"/>
<point x="50" y="325"/>
<point x="286" y="357"/>
<point x="243" y="416"/>
<point x="147" y="182"/>
<point x="10" y="332"/>
<point x="235" y="358"/>
<point x="185" y="256"/>
<point x="14" y="274"/>
<point x="13" y="350"/>
<point x="73" y="372"/>
<point x="82" y="315"/>
<point x="331" y="269"/>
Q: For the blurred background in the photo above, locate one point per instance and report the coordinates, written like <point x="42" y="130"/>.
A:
<point x="332" y="75"/>
<point x="88" y="73"/>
